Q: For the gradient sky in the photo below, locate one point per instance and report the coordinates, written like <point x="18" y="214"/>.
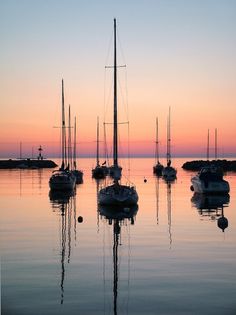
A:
<point x="178" y="53"/>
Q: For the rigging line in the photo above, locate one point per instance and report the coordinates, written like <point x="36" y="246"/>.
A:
<point x="122" y="96"/>
<point x="126" y="80"/>
<point x="120" y="47"/>
<point x="105" y="144"/>
<point x="107" y="98"/>
<point x="109" y="48"/>
<point x="128" y="151"/>
<point x="105" y="79"/>
<point x="127" y="98"/>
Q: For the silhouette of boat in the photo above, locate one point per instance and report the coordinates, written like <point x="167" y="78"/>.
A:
<point x="99" y="171"/>
<point x="62" y="179"/>
<point x="158" y="167"/>
<point x="210" y="180"/>
<point x="169" y="172"/>
<point x="117" y="194"/>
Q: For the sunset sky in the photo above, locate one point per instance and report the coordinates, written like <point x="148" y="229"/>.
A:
<point x="177" y="53"/>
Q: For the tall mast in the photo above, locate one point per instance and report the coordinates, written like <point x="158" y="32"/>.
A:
<point x="69" y="142"/>
<point x="115" y="138"/>
<point x="168" y="139"/>
<point x="215" y="143"/>
<point x="208" y="145"/>
<point x="63" y="127"/>
<point x="157" y="143"/>
<point x="97" y="141"/>
<point x="74" y="155"/>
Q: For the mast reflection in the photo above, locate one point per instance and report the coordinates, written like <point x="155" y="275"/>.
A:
<point x="168" y="186"/>
<point x="64" y="204"/>
<point x="118" y="216"/>
<point x="157" y="179"/>
<point x="212" y="207"/>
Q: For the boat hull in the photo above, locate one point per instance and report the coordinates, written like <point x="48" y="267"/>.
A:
<point x="115" y="171"/>
<point x="169" y="173"/>
<point x="78" y="176"/>
<point x="99" y="172"/>
<point x="210" y="187"/>
<point x="62" y="181"/>
<point x="118" y="195"/>
<point x="157" y="169"/>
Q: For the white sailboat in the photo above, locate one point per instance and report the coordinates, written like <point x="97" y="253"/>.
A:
<point x="62" y="179"/>
<point x="158" y="167"/>
<point x="117" y="194"/>
<point x="169" y="172"/>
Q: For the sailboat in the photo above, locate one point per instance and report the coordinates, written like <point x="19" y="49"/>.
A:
<point x="77" y="173"/>
<point x="62" y="179"/>
<point x="158" y="167"/>
<point x="169" y="172"/>
<point x="117" y="194"/>
<point x="99" y="171"/>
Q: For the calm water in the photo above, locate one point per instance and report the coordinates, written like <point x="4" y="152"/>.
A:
<point x="167" y="257"/>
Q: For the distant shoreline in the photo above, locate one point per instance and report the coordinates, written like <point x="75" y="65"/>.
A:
<point x="26" y="164"/>
<point x="196" y="165"/>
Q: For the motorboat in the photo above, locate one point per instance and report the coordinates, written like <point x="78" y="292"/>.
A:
<point x="209" y="180"/>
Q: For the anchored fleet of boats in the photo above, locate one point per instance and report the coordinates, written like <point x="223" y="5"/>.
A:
<point x="209" y="180"/>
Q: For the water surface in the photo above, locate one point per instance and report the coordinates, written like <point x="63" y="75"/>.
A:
<point x="167" y="257"/>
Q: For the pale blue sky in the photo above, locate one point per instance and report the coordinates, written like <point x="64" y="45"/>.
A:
<point x="168" y="46"/>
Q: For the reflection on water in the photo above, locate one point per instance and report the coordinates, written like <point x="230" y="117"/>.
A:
<point x="117" y="216"/>
<point x="168" y="185"/>
<point x="212" y="207"/>
<point x="120" y="265"/>
<point x="157" y="185"/>
<point x="64" y="204"/>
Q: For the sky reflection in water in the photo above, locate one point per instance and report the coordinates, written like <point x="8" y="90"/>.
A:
<point x="168" y="256"/>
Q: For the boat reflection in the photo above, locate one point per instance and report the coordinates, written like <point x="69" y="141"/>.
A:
<point x="64" y="204"/>
<point x="118" y="216"/>
<point x="212" y="207"/>
<point x="168" y="193"/>
<point x="157" y="186"/>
